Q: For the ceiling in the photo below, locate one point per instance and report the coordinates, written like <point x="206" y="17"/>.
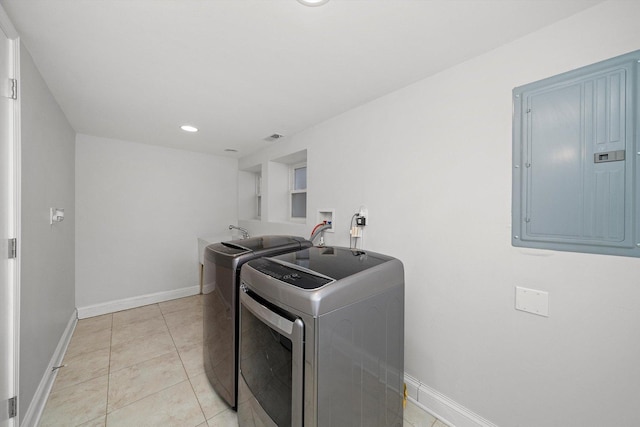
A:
<point x="241" y="70"/>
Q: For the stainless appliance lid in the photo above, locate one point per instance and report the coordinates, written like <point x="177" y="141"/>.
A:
<point x="323" y="265"/>
<point x="254" y="244"/>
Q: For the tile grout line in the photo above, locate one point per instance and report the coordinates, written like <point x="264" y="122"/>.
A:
<point x="128" y="341"/>
<point x="90" y="379"/>
<point x="174" y="344"/>
<point x="110" y="369"/>
<point x="106" y="405"/>
<point x="184" y="368"/>
<point x="57" y="387"/>
<point x="144" y="361"/>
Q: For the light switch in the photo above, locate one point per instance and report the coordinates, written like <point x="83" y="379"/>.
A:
<point x="532" y="301"/>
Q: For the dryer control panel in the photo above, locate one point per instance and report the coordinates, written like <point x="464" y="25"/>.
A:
<point x="289" y="275"/>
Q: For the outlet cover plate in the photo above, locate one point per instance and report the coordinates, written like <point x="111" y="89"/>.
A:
<point x="532" y="301"/>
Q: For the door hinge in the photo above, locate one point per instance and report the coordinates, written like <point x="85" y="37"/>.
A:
<point x="13" y="407"/>
<point x="13" y="248"/>
<point x="14" y="88"/>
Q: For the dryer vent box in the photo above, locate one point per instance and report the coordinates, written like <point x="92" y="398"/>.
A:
<point x="576" y="181"/>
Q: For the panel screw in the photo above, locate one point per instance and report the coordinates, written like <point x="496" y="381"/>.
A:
<point x="516" y="237"/>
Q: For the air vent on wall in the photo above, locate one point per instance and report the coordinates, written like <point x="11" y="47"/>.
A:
<point x="274" y="137"/>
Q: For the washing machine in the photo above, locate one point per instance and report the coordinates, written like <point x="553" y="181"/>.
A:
<point x="222" y="263"/>
<point x="322" y="339"/>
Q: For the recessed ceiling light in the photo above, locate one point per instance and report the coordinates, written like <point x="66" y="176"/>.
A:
<point x="188" y="128"/>
<point x="313" y="3"/>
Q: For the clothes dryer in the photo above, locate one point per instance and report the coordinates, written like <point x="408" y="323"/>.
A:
<point x="322" y="340"/>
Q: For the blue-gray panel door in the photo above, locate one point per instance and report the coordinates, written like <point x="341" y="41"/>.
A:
<point x="574" y="158"/>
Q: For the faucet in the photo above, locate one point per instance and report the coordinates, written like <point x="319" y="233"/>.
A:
<point x="245" y="233"/>
<point x="318" y="231"/>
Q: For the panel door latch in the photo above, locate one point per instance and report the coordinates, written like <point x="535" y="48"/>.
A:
<point x="13" y="407"/>
<point x="608" y="156"/>
<point x="13" y="248"/>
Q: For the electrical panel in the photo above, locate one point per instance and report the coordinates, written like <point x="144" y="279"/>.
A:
<point x="576" y="183"/>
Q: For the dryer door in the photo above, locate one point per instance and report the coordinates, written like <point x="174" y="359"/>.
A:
<point x="271" y="364"/>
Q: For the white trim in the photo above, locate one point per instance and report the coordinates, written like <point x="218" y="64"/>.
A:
<point x="36" y="407"/>
<point x="133" y="302"/>
<point x="412" y="386"/>
<point x="17" y="186"/>
<point x="17" y="173"/>
<point x="443" y="407"/>
<point x="6" y="26"/>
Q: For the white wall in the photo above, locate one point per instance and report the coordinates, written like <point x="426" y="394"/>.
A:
<point x="140" y="210"/>
<point x="432" y="162"/>
<point x="46" y="252"/>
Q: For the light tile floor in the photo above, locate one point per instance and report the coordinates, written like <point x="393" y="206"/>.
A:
<point x="143" y="367"/>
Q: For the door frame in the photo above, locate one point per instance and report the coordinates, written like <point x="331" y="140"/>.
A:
<point x="14" y="212"/>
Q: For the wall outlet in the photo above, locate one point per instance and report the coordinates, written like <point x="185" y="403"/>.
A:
<point x="364" y="213"/>
<point x="56" y="215"/>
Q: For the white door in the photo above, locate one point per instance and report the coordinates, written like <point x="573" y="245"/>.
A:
<point x="7" y="297"/>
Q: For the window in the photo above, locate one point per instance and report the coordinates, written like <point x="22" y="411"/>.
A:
<point x="285" y="188"/>
<point x="250" y="191"/>
<point x="258" y="196"/>
<point x="298" y="191"/>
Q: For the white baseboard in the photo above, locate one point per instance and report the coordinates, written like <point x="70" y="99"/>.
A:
<point x="133" y="302"/>
<point x="442" y="407"/>
<point x="36" y="407"/>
